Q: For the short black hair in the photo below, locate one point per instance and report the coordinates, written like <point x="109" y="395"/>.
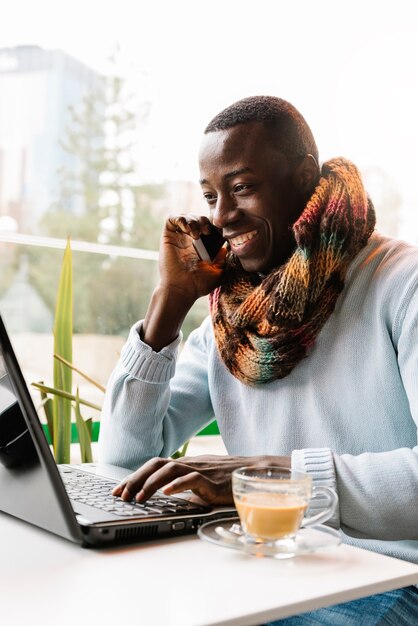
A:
<point x="289" y="130"/>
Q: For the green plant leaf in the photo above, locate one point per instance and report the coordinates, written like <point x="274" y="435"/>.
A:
<point x="181" y="452"/>
<point x="63" y="331"/>
<point x="89" y="423"/>
<point x="64" y="394"/>
<point x="48" y="407"/>
<point x="85" y="376"/>
<point x="84" y="429"/>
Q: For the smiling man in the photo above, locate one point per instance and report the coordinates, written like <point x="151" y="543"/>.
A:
<point x="309" y="357"/>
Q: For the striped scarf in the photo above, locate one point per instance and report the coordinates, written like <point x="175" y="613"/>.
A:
<point x="265" y="325"/>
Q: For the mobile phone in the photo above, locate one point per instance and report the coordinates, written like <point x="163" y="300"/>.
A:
<point x="208" y="246"/>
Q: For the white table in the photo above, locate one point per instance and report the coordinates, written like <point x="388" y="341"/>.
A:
<point x="48" y="581"/>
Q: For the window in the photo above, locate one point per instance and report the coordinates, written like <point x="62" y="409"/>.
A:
<point x="101" y="113"/>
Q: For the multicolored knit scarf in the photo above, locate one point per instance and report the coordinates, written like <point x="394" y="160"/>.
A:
<point x="265" y="325"/>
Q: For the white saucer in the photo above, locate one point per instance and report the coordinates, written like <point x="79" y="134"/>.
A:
<point x="228" y="534"/>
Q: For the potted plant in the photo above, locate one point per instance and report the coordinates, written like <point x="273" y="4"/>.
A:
<point x="60" y="401"/>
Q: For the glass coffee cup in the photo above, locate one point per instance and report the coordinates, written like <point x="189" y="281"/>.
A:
<point x="272" y="503"/>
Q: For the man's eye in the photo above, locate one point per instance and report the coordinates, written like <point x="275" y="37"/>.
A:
<point x="209" y="197"/>
<point x="241" y="187"/>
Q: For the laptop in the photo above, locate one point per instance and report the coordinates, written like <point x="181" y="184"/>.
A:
<point x="75" y="501"/>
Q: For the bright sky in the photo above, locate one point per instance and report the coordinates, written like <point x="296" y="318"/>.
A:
<point x="350" y="68"/>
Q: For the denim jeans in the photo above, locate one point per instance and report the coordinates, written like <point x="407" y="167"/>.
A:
<point x="393" y="608"/>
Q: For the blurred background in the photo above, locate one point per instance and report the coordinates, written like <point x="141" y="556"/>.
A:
<point x="102" y="108"/>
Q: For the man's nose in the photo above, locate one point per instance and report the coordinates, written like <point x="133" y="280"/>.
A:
<point x="225" y="212"/>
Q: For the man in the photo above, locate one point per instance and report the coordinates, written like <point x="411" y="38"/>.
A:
<point x="310" y="356"/>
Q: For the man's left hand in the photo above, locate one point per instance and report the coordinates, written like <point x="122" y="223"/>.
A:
<point x="209" y="477"/>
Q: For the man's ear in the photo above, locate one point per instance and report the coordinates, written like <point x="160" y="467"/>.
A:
<point x="306" y="174"/>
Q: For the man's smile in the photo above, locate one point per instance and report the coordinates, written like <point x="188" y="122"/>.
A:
<point x="240" y="240"/>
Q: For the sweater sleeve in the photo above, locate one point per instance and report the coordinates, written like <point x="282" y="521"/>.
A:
<point x="319" y="464"/>
<point x="151" y="406"/>
<point x="378" y="491"/>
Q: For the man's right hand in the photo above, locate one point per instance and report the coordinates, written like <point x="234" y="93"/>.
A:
<point x="183" y="279"/>
<point x="180" y="266"/>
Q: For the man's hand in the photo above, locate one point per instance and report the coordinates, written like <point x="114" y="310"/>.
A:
<point x="183" y="279"/>
<point x="209" y="477"/>
<point x="180" y="267"/>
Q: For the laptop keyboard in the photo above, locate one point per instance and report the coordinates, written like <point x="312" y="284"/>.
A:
<point x="97" y="492"/>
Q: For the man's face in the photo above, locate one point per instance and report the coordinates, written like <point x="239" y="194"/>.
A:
<point x="249" y="188"/>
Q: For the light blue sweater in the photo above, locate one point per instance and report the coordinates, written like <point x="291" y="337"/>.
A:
<point x="347" y="414"/>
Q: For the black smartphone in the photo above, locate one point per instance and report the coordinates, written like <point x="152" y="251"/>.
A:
<point x="208" y="246"/>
